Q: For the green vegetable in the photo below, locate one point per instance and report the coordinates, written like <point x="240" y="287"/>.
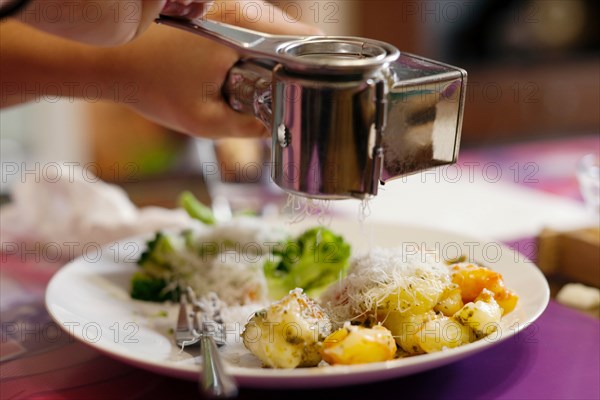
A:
<point x="151" y="282"/>
<point x="145" y="287"/>
<point x="196" y="209"/>
<point x="159" y="254"/>
<point x="312" y="261"/>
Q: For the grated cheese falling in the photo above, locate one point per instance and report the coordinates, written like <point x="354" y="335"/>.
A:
<point x="364" y="211"/>
<point x="302" y="207"/>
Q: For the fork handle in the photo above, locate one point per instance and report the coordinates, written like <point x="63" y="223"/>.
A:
<point x="215" y="382"/>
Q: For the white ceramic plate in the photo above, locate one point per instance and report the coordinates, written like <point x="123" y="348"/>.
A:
<point x="89" y="299"/>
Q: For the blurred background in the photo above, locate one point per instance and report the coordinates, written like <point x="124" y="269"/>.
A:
<point x="533" y="73"/>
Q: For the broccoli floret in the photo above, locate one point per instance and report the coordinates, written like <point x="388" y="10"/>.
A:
<point x="196" y="209"/>
<point x="312" y="261"/>
<point x="159" y="254"/>
<point x="145" y="287"/>
<point x="158" y="250"/>
<point x="151" y="282"/>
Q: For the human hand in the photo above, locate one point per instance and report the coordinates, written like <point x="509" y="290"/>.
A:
<point x="180" y="75"/>
<point x="96" y="22"/>
<point x="172" y="77"/>
<point x="186" y="9"/>
<point x="105" y="22"/>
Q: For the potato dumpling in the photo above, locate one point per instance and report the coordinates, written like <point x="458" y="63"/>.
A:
<point x="287" y="334"/>
<point x="427" y="333"/>
<point x="441" y="333"/>
<point x="359" y="345"/>
<point x="405" y="328"/>
<point x="482" y="316"/>
<point x="418" y="297"/>
<point x="450" y="302"/>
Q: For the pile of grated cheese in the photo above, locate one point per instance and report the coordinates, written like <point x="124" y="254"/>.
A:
<point x="377" y="278"/>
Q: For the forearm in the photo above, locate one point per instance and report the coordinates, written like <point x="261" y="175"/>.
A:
<point x="40" y="67"/>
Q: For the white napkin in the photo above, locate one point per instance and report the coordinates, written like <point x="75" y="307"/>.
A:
<point x="75" y="212"/>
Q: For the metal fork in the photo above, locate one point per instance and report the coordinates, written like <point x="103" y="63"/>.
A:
<point x="184" y="332"/>
<point x="214" y="380"/>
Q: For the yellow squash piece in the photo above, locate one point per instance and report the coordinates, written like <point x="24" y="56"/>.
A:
<point x="473" y="279"/>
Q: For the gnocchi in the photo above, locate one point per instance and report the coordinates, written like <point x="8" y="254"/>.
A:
<point x="359" y="345"/>
<point x="388" y="306"/>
